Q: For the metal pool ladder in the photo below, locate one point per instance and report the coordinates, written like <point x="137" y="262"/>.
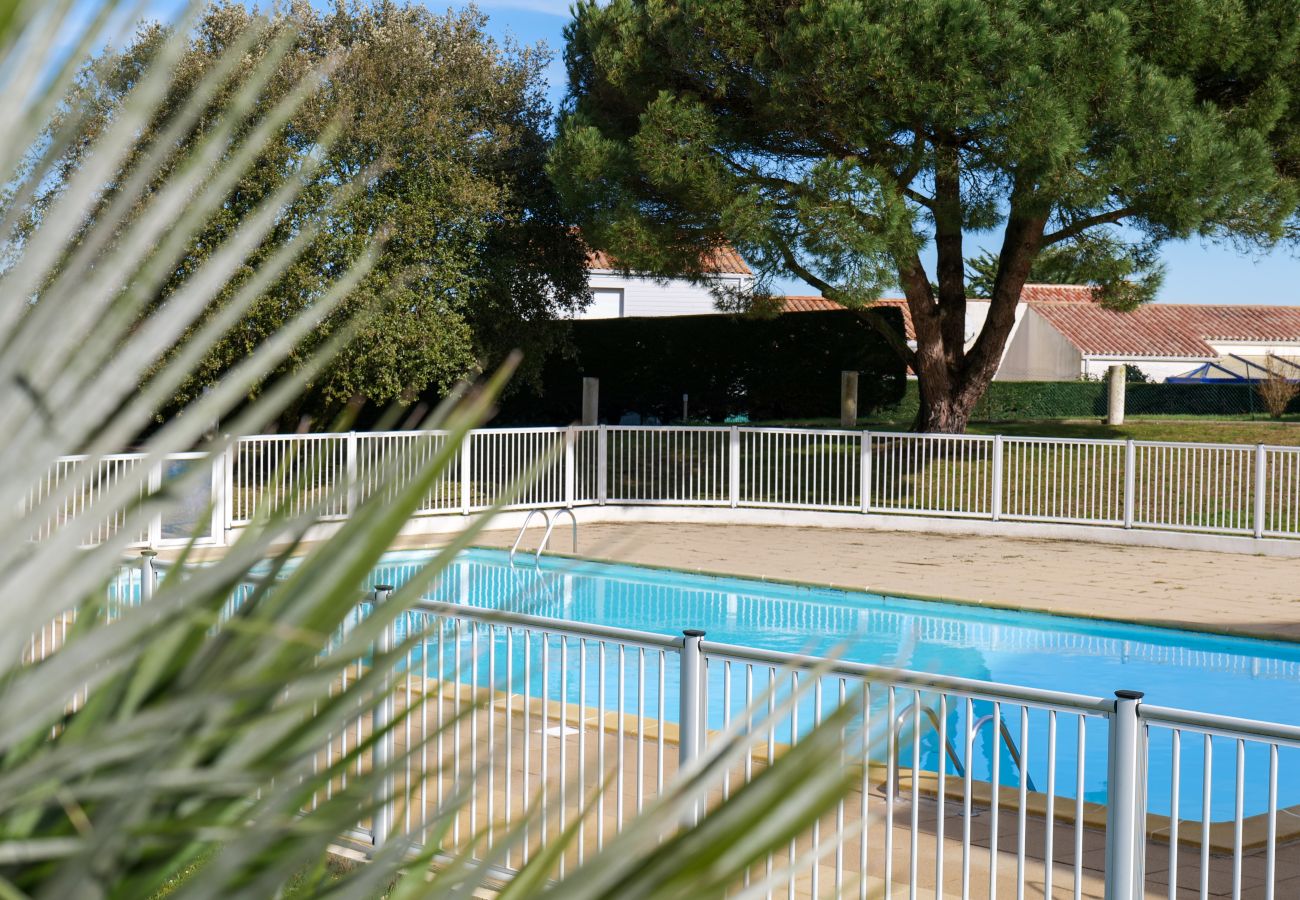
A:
<point x="546" y="536"/>
<point x="901" y="720"/>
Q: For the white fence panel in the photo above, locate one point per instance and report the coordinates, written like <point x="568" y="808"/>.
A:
<point x="1047" y="479"/>
<point x="500" y="457"/>
<point x="949" y="475"/>
<point x="669" y="465"/>
<point x="383" y="460"/>
<point x="800" y="468"/>
<point x="294" y="473"/>
<point x="1194" y="487"/>
<point x="1281" y="492"/>
<point x="82" y="484"/>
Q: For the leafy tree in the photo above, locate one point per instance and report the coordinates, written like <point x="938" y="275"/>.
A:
<point x="453" y="130"/>
<point x="834" y="139"/>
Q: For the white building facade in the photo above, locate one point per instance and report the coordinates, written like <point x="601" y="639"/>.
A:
<point x="616" y="294"/>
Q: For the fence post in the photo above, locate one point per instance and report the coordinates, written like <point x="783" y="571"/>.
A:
<point x="155" y="487"/>
<point x="228" y="492"/>
<point x="865" y="473"/>
<point x="1116" y="378"/>
<point x="690" y="729"/>
<point x="590" y="401"/>
<point x="148" y="575"/>
<point x="217" y="520"/>
<point x="1125" y="801"/>
<point x="602" y="464"/>
<point x="848" y="399"/>
<point x="733" y="466"/>
<point x="381" y="716"/>
<point x="464" y="472"/>
<point x="570" y="473"/>
<point x="351" y="470"/>
<point x="997" y="477"/>
<point x="1130" y="481"/>
<point x="1261" y="474"/>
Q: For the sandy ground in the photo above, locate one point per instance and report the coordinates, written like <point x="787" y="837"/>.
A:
<point x="1237" y="593"/>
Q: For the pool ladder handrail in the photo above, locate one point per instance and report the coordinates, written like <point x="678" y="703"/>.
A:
<point x="933" y="718"/>
<point x="546" y="535"/>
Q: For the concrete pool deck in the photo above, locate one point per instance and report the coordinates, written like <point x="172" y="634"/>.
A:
<point x="1234" y="593"/>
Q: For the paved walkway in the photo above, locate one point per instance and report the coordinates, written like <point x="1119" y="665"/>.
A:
<point x="1239" y="593"/>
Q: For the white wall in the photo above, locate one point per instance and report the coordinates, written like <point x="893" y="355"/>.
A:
<point x="1038" y="352"/>
<point x="1155" y="369"/>
<point x="1288" y="349"/>
<point x="648" y="297"/>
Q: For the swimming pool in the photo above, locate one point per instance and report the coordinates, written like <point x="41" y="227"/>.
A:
<point x="1196" y="671"/>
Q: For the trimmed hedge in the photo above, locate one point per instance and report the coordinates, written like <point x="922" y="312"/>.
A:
<point x="729" y="366"/>
<point x="1009" y="401"/>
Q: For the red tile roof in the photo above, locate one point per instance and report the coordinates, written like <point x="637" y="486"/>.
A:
<point x="1156" y="329"/>
<point x="719" y="261"/>
<point x="1057" y="293"/>
<point x="800" y="303"/>
<point x="1168" y="329"/>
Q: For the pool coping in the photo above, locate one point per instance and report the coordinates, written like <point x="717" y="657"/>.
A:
<point x="1177" y="625"/>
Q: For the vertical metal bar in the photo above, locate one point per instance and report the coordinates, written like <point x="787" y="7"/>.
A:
<point x="1208" y="768"/>
<point x="864" y="475"/>
<point x="582" y="737"/>
<point x="570" y="471"/>
<point x="891" y="786"/>
<point x="1175" y="776"/>
<point x="1130" y="481"/>
<point x="1049" y="837"/>
<point x="1270" y="858"/>
<point x="997" y="478"/>
<point x="1079" y="772"/>
<point x="733" y="466"/>
<point x="1261" y="473"/>
<point x="913" y="846"/>
<point x="966" y="814"/>
<point x="350" y="467"/>
<point x="690" y="726"/>
<point x="1124" y="800"/>
<point x="995" y="784"/>
<point x="1239" y="814"/>
<point x="385" y="749"/>
<point x="465" y="472"/>
<point x="1022" y="802"/>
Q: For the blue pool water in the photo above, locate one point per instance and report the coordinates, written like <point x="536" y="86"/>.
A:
<point x="1204" y="672"/>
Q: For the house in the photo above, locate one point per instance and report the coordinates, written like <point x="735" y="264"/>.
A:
<point x="616" y="294"/>
<point x="1061" y="340"/>
<point x="1062" y="333"/>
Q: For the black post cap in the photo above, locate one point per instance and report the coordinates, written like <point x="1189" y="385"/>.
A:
<point x="1130" y="695"/>
<point x="383" y="587"/>
<point x="693" y="632"/>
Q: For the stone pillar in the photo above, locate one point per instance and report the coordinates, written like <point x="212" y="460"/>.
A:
<point x="848" y="399"/>
<point x="590" y="401"/>
<point x="1115" y="408"/>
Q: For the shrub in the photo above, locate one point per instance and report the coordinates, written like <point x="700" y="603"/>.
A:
<point x="784" y="367"/>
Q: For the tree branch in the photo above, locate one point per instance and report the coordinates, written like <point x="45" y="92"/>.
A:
<point x="896" y="341"/>
<point x="1081" y="225"/>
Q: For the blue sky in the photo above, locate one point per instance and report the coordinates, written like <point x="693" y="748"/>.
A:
<point x="1195" y="272"/>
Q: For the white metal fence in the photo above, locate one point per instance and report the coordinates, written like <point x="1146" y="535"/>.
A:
<point x="963" y="788"/>
<point x="1251" y="491"/>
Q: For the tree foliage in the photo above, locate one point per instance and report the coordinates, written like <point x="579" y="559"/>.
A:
<point x="834" y="140"/>
<point x="1124" y="275"/>
<point x="450" y="128"/>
